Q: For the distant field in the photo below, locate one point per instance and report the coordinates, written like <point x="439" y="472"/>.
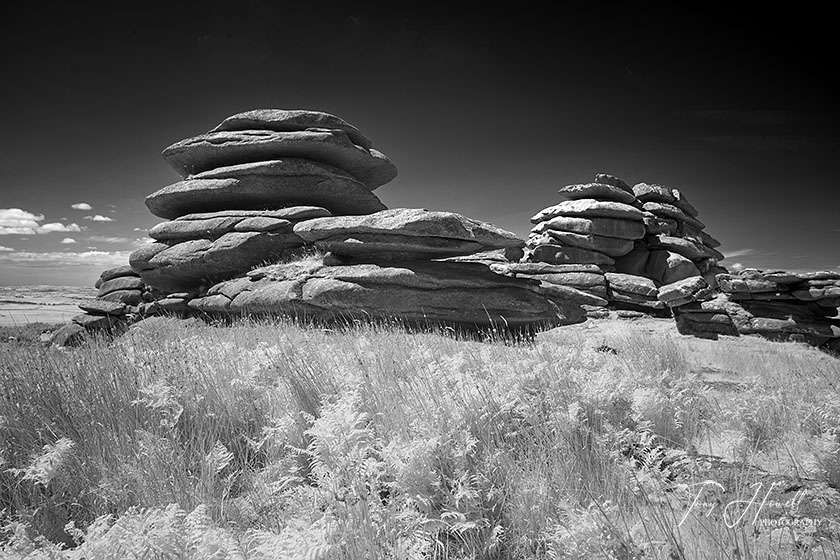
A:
<point x="609" y="439"/>
<point x="22" y="305"/>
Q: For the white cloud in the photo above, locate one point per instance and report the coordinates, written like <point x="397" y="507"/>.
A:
<point x="104" y="239"/>
<point x="8" y="249"/>
<point x="81" y="206"/>
<point x="14" y="221"/>
<point x="737" y="267"/>
<point x="99" y="218"/>
<point x="59" y="227"/>
<point x="738" y="253"/>
<point x="56" y="259"/>
<point x="68" y="240"/>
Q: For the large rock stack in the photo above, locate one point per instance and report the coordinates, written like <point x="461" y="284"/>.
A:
<point x="265" y="185"/>
<point x="779" y="305"/>
<point x="639" y="238"/>
<point x="246" y="183"/>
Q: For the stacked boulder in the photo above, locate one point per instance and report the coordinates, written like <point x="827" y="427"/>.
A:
<point x="779" y="305"/>
<point x="641" y="239"/>
<point x="122" y="295"/>
<point x="246" y="183"/>
<point x="265" y="187"/>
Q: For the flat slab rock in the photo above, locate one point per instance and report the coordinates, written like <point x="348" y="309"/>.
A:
<point x="102" y="307"/>
<point x="233" y="147"/>
<point x="211" y="225"/>
<point x="405" y="232"/>
<point x="276" y="183"/>
<point x="589" y="208"/>
<point x="605" y="227"/>
<point x="600" y="191"/>
<point x="112" y="273"/>
<point x="666" y="267"/>
<point x="608" y="179"/>
<point x="188" y="264"/>
<point x="688" y="248"/>
<point x="559" y="254"/>
<point x="610" y="246"/>
<point x="418" y="292"/>
<point x="630" y="284"/>
<point x="290" y="120"/>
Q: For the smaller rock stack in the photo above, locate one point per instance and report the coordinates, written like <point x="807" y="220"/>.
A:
<point x="247" y="183"/>
<point x="122" y="294"/>
<point x="779" y="305"/>
<point x="639" y="238"/>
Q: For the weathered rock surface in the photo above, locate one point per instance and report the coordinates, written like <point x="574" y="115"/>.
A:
<point x="630" y="284"/>
<point x="120" y="283"/>
<point x="112" y="273"/>
<point x="266" y="184"/>
<point x="102" y="307"/>
<point x="666" y="267"/>
<point x="212" y="225"/>
<point x="405" y="232"/>
<point x="583" y="277"/>
<point x="559" y="254"/>
<point x="683" y="291"/>
<point x="589" y="208"/>
<point x="418" y="292"/>
<point x="191" y="263"/>
<point x="608" y="179"/>
<point x="610" y="246"/>
<point x="605" y="227"/>
<point x="688" y="248"/>
<point x="283" y="120"/>
<point x="601" y="191"/>
<point x="234" y="147"/>
<point x="653" y="193"/>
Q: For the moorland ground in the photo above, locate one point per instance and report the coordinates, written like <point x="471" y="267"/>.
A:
<point x="610" y="439"/>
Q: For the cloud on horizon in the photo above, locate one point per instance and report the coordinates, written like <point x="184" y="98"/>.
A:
<point x="99" y="218"/>
<point x="81" y="206"/>
<point x="105" y="239"/>
<point x="8" y="249"/>
<point x="14" y="221"/>
<point x="56" y="259"/>
<point x="68" y="240"/>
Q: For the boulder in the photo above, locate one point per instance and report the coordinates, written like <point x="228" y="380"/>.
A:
<point x="653" y="193"/>
<point x="102" y="307"/>
<point x="608" y="179"/>
<point x="681" y="202"/>
<point x="558" y="254"/>
<point x="630" y="284"/>
<point x="405" y="232"/>
<point x="610" y="246"/>
<point x="97" y="322"/>
<point x="195" y="262"/>
<point x="513" y="269"/>
<point x="233" y="147"/>
<point x="589" y="208"/>
<point x="127" y="297"/>
<point x="282" y="120"/>
<point x="68" y="335"/>
<point x="265" y="184"/>
<point x="666" y="267"/>
<point x="605" y="227"/>
<point x="212" y="225"/>
<point x="815" y="293"/>
<point x="112" y="273"/>
<point x="120" y="283"/>
<point x="663" y="210"/>
<point x="700" y="236"/>
<point x="601" y="191"/>
<point x="654" y="224"/>
<point x="140" y="257"/>
<point x="731" y="283"/>
<point x="683" y="289"/>
<point x="686" y="247"/>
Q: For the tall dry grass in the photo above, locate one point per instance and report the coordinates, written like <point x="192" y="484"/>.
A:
<point x="277" y="440"/>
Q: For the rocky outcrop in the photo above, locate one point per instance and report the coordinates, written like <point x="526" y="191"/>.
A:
<point x="122" y="295"/>
<point x="647" y="236"/>
<point x="268" y="186"/>
<point x="778" y="305"/>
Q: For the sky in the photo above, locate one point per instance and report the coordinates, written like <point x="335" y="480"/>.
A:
<point x="484" y="112"/>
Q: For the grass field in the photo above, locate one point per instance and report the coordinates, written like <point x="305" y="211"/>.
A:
<point x="612" y="439"/>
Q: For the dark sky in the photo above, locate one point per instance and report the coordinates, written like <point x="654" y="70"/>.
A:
<point x="486" y="113"/>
